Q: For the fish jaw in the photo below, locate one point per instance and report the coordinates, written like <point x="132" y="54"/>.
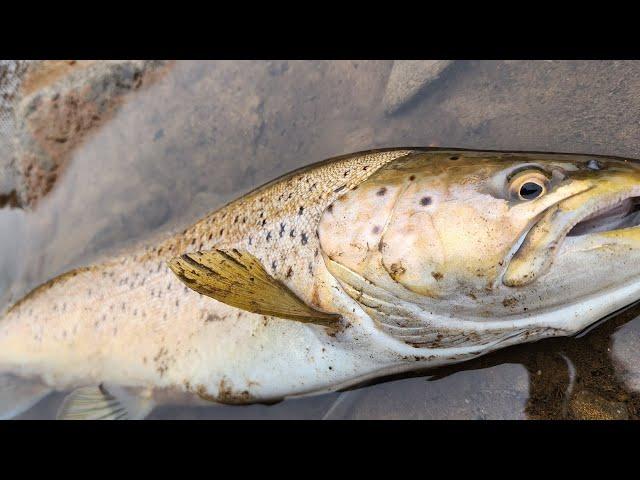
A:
<point x="536" y="254"/>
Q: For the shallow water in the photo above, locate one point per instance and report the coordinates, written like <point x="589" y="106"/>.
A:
<point x="206" y="132"/>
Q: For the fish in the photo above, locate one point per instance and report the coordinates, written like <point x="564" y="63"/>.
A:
<point x="365" y="265"/>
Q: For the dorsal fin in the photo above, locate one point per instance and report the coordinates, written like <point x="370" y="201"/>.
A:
<point x="238" y="279"/>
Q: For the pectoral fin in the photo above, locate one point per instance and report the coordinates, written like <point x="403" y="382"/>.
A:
<point x="238" y="279"/>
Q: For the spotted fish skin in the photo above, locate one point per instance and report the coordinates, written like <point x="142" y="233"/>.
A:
<point x="426" y="256"/>
<point x="130" y="321"/>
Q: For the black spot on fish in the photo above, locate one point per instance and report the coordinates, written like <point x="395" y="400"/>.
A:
<point x="282" y="229"/>
<point x="303" y="238"/>
<point x="221" y="231"/>
<point x="375" y="230"/>
<point x="330" y="208"/>
<point x="382" y="191"/>
<point x="412" y="178"/>
<point x="273" y="265"/>
<point x="292" y="233"/>
<point x="235" y="220"/>
<point x="454" y="157"/>
<point x="424" y="201"/>
<point x="339" y="189"/>
<point x="264" y="222"/>
<point x="268" y="236"/>
<point x="300" y="210"/>
<point x="289" y="272"/>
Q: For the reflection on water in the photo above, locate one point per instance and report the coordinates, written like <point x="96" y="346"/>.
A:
<point x="208" y="131"/>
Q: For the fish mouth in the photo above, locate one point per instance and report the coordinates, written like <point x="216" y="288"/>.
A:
<point x="624" y="214"/>
<point x="569" y="217"/>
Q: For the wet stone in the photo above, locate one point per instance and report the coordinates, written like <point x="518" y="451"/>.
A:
<point x="58" y="105"/>
<point x="408" y="78"/>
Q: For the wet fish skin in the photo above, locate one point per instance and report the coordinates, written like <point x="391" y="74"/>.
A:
<point x="131" y="322"/>
<point x="72" y="330"/>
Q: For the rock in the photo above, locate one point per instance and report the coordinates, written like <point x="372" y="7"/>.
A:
<point x="60" y="104"/>
<point x="408" y="78"/>
<point x="202" y="204"/>
<point x="625" y="353"/>
<point x="11" y="74"/>
<point x="492" y="393"/>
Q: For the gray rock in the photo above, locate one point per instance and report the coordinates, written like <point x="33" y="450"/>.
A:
<point x="492" y="393"/>
<point x="11" y="73"/>
<point x="408" y="78"/>
<point x="58" y="105"/>
<point x="625" y="353"/>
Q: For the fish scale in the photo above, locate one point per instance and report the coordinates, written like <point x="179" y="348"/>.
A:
<point x="130" y="321"/>
<point x="400" y="252"/>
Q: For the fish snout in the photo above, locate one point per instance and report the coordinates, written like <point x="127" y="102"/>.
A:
<point x="613" y="205"/>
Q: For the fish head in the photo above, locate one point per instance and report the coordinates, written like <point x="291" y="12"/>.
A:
<point x="463" y="249"/>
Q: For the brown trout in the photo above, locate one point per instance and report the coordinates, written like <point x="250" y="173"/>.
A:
<point x="365" y="265"/>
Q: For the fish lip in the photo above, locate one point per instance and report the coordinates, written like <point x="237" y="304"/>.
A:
<point x="518" y="243"/>
<point x="606" y="204"/>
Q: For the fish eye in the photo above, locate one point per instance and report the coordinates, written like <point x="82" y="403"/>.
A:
<point x="528" y="185"/>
